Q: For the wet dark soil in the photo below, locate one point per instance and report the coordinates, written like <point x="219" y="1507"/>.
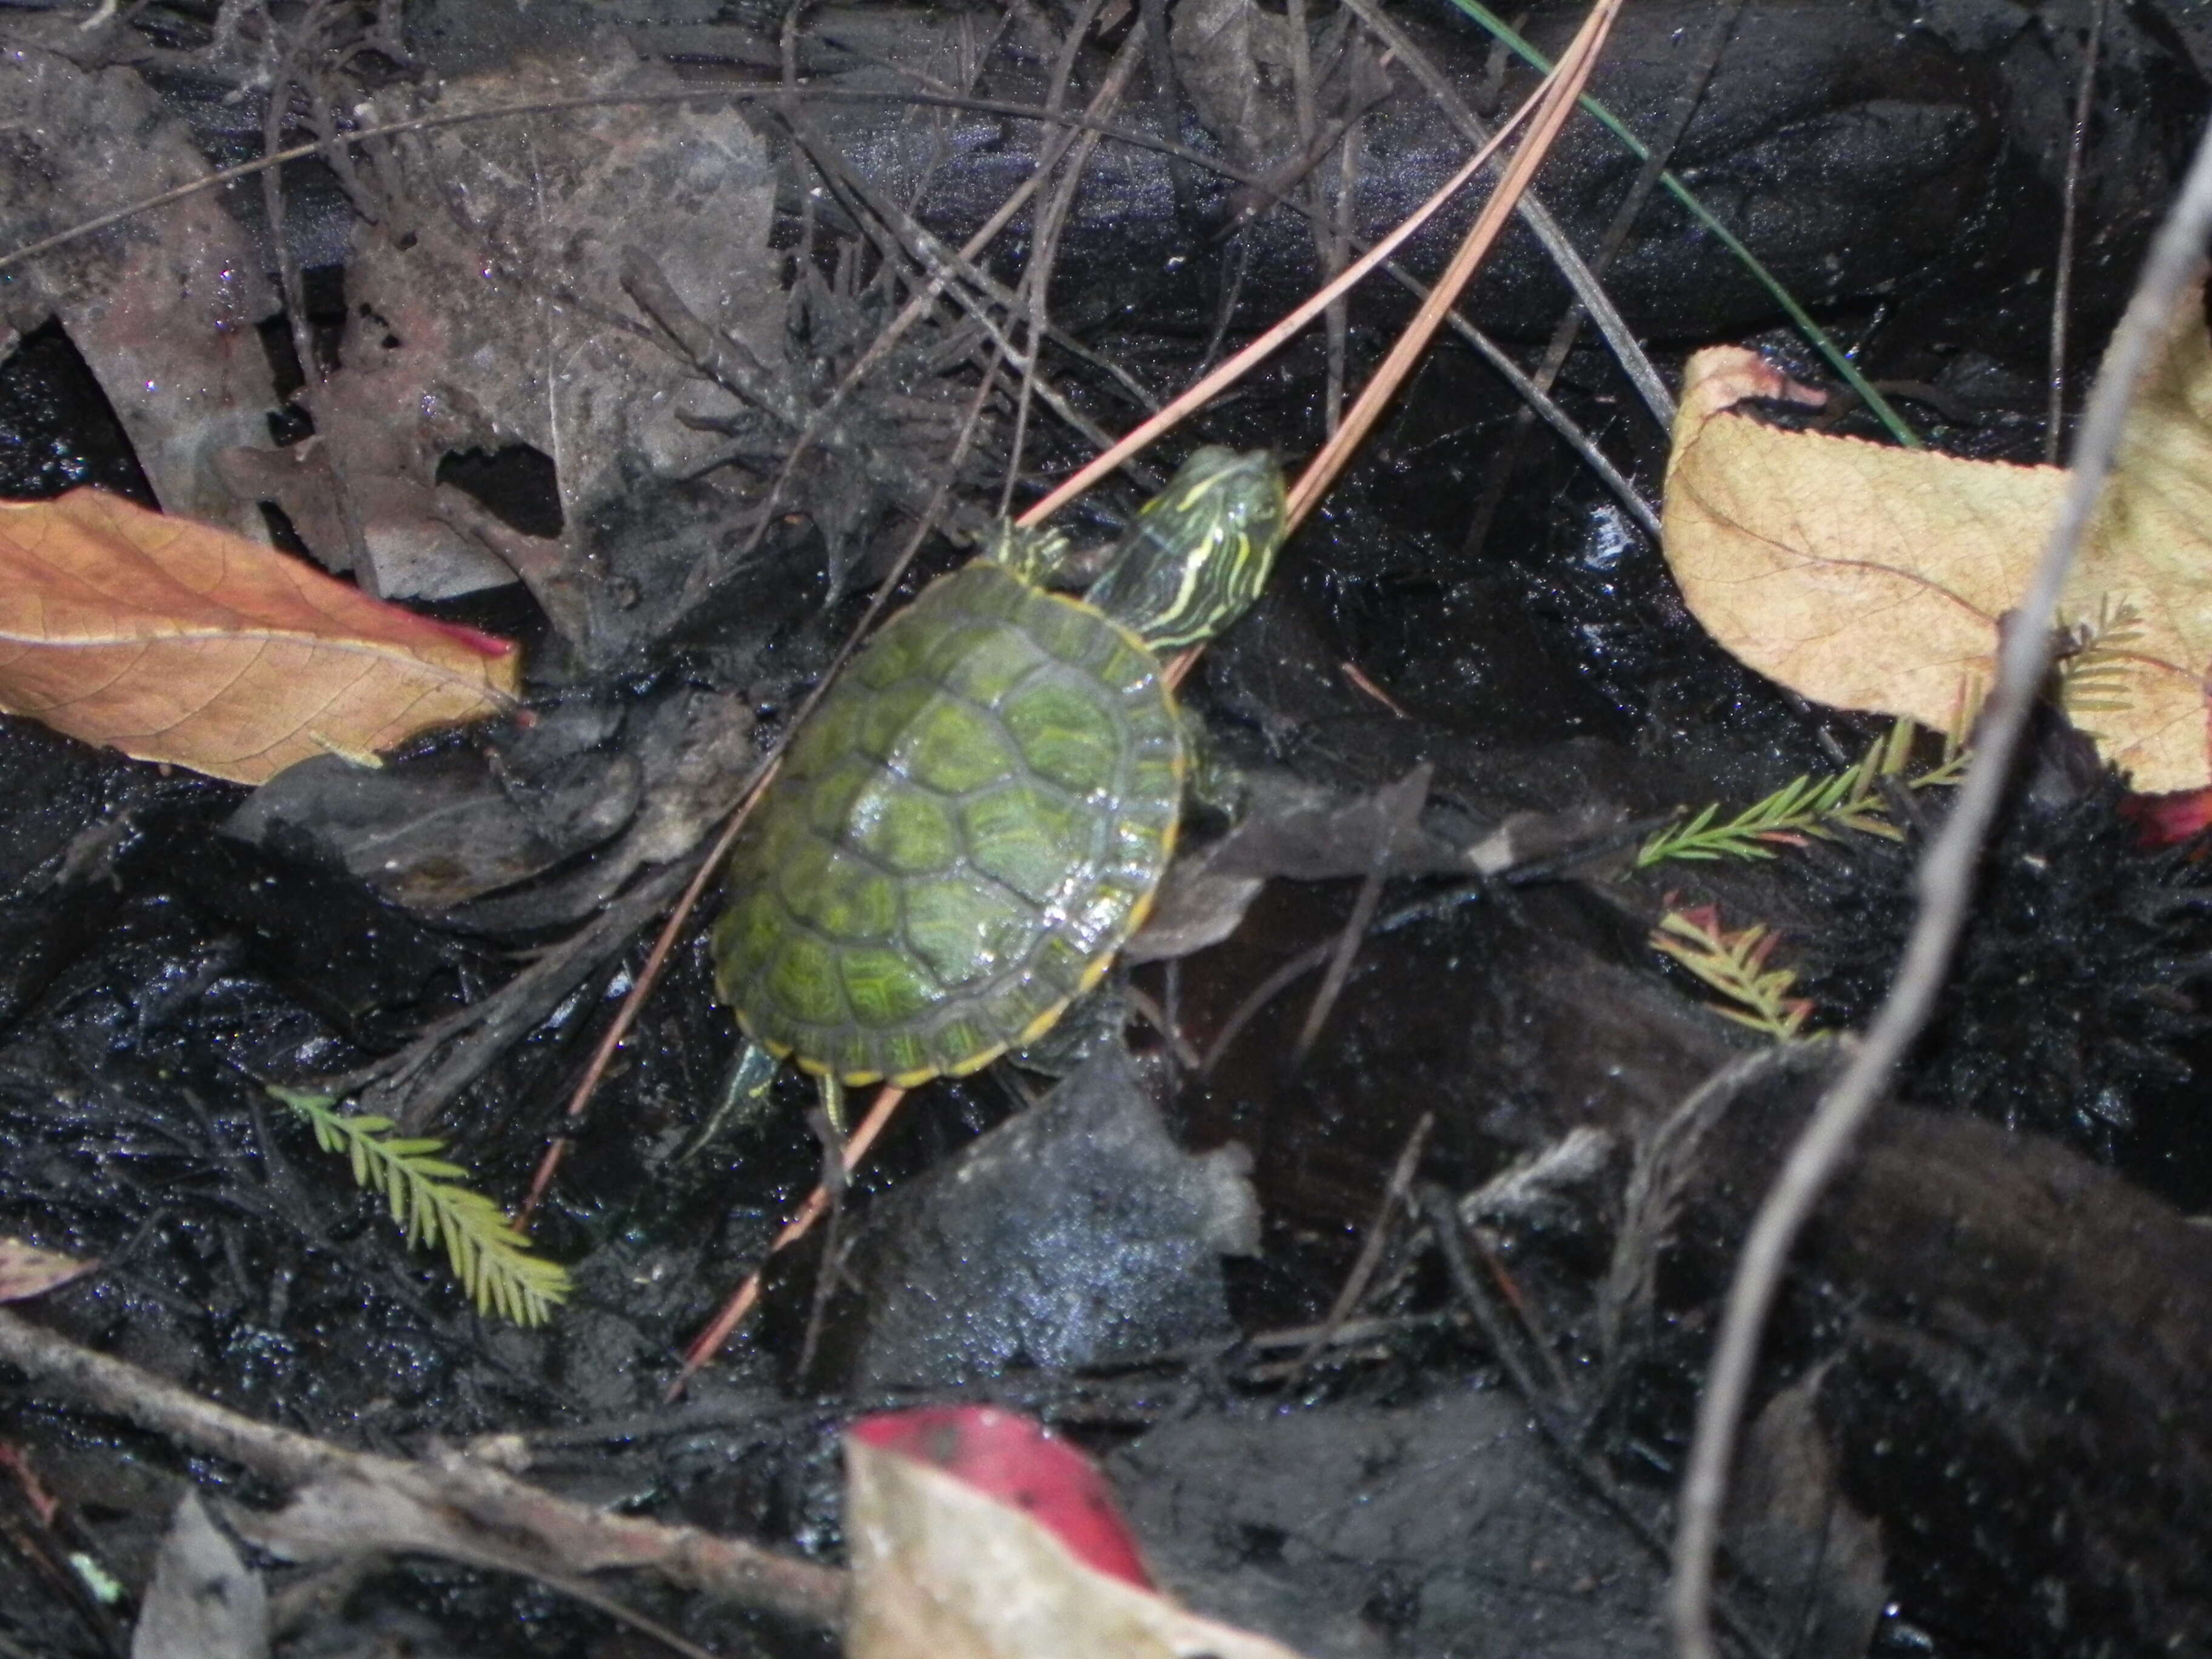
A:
<point x="1982" y="1426"/>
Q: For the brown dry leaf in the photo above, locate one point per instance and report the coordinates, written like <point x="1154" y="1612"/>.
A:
<point x="1874" y="578"/>
<point x="173" y="640"/>
<point x="27" y="1270"/>
<point x="942" y="1571"/>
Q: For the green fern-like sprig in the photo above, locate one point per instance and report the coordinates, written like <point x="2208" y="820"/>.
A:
<point x="2097" y="662"/>
<point x="1807" y="808"/>
<point x="490" y="1254"/>
<point x="1734" y="965"/>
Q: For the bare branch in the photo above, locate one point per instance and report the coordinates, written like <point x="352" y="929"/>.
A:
<point x="447" y="1506"/>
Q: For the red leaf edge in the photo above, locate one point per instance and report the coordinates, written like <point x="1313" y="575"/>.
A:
<point x="1021" y="1463"/>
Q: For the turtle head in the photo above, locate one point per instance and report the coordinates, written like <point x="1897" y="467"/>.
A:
<point x="1199" y="552"/>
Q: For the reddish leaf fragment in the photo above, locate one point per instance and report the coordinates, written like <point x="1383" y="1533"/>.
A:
<point x="2168" y="820"/>
<point x="1017" y="1460"/>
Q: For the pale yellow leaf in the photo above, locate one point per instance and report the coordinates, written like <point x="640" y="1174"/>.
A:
<point x="2150" y="551"/>
<point x="173" y="640"/>
<point x="942" y="1571"/>
<point x="1874" y="578"/>
<point x="29" y="1270"/>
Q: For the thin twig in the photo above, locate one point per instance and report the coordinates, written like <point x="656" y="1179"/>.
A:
<point x="2061" y="287"/>
<point x="1046" y="227"/>
<point x="699" y="95"/>
<point x="611" y="1040"/>
<point x="1398" y="1191"/>
<point x="1665" y="1164"/>
<point x="457" y="1049"/>
<point x="1259" y="996"/>
<point x="893" y="230"/>
<point x="1235" y="368"/>
<point x="1541" y="1341"/>
<point x="1055" y="145"/>
<point x="708" y="1342"/>
<point x="335" y="146"/>
<point x="1546" y="407"/>
<point x="1589" y="293"/>
<point x="1821" y="341"/>
<point x="1945" y="887"/>
<point x="1157" y="1018"/>
<point x="1401" y="805"/>
<point x="1437" y="1208"/>
<point x="1298" y="31"/>
<point x="1719" y="31"/>
<point x="835" y="1180"/>
<point x="1340" y="240"/>
<point x="1554" y="102"/>
<point x="575" y="1537"/>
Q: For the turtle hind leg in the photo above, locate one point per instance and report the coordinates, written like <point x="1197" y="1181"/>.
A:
<point x="742" y="1102"/>
<point x="745" y="1097"/>
<point x="832" y="1094"/>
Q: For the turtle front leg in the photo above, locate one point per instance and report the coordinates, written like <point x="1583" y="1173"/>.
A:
<point x="1034" y="556"/>
<point x="832" y="1093"/>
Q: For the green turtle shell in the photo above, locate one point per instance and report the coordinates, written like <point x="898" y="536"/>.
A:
<point x="962" y="837"/>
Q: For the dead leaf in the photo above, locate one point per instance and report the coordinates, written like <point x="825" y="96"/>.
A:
<point x="1075" y="1284"/>
<point x="1797" y="1534"/>
<point x="940" y="1570"/>
<point x="163" y="305"/>
<point x="1233" y="57"/>
<point x="485" y="311"/>
<point x="1290" y="828"/>
<point x="205" y="1603"/>
<point x="1874" y="578"/>
<point x="1017" y="1460"/>
<point x="27" y="1270"/>
<point x="173" y="640"/>
<point x="433" y="836"/>
<point x="2145" y="571"/>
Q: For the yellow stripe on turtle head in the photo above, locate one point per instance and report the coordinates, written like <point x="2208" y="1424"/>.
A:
<point x="1199" y="551"/>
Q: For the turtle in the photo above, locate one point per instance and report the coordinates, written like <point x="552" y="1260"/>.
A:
<point x="979" y="812"/>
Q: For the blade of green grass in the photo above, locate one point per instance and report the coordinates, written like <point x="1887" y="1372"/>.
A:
<point x="1766" y="279"/>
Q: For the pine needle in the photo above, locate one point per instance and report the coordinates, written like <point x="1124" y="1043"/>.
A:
<point x="429" y="1199"/>
<point x="1807" y="808"/>
<point x="1820" y="340"/>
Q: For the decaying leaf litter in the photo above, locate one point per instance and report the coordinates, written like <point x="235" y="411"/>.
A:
<point x="1525" y="961"/>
